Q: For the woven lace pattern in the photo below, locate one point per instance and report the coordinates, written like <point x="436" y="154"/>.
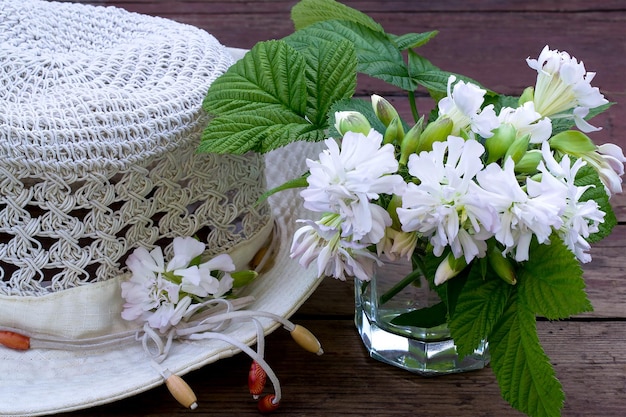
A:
<point x="100" y="117"/>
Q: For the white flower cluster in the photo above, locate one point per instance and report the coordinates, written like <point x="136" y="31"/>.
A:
<point x="460" y="193"/>
<point x="164" y="294"/>
<point x="343" y="184"/>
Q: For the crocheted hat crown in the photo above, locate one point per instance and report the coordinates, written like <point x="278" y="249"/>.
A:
<point x="99" y="122"/>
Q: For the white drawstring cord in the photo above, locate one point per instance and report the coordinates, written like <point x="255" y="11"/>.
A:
<point x="205" y="329"/>
<point x="248" y="351"/>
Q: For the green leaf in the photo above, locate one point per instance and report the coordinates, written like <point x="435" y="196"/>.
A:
<point x="589" y="176"/>
<point x="276" y="95"/>
<point x="331" y="76"/>
<point x="524" y="373"/>
<point x="308" y="12"/>
<point x="500" y="101"/>
<point x="426" y="317"/>
<point x="270" y="76"/>
<point x="551" y="282"/>
<point x="450" y="290"/>
<point x="424" y="73"/>
<point x="413" y="40"/>
<point x="454" y="287"/>
<point x="377" y="55"/>
<point x="479" y="307"/>
<point x="242" y="132"/>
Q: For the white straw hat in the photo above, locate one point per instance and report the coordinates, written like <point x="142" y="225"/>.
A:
<point x="99" y="121"/>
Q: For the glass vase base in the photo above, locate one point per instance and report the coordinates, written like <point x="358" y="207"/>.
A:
<point x="420" y="356"/>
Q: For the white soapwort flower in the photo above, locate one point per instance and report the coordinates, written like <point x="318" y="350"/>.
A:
<point x="448" y="269"/>
<point x="448" y="206"/>
<point x="377" y="220"/>
<point x="579" y="114"/>
<point x="345" y="180"/>
<point x="198" y="279"/>
<point x="185" y="249"/>
<point x="523" y="213"/>
<point x="145" y="264"/>
<point x="149" y="297"/>
<point x="350" y="259"/>
<point x="169" y="314"/>
<point x="463" y="106"/>
<point x="334" y="256"/>
<point x="527" y="121"/>
<point x="562" y="85"/>
<point x="226" y="284"/>
<point x="580" y="219"/>
<point x="608" y="160"/>
<point x="160" y="294"/>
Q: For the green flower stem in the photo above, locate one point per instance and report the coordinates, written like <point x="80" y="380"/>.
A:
<point x="409" y="279"/>
<point x="171" y="277"/>
<point x="414" y="111"/>
<point x="196" y="298"/>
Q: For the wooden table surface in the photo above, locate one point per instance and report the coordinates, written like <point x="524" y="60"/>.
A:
<point x="489" y="41"/>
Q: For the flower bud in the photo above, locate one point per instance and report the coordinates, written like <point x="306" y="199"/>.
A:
<point x="527" y="95"/>
<point x="394" y="132"/>
<point x="437" y="131"/>
<point x="411" y="141"/>
<point x="404" y="244"/>
<point x="351" y="121"/>
<point x="397" y="244"/>
<point x="497" y="145"/>
<point x="529" y="162"/>
<point x="501" y="266"/>
<point x="518" y="149"/>
<point x="392" y="207"/>
<point x="383" y="110"/>
<point x="449" y="268"/>
<point x="572" y="142"/>
<point x="242" y="278"/>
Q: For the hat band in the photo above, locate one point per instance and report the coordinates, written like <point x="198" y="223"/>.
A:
<point x="95" y="309"/>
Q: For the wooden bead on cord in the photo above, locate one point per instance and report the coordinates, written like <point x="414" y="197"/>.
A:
<point x="306" y="339"/>
<point x="181" y="391"/>
<point x="14" y="340"/>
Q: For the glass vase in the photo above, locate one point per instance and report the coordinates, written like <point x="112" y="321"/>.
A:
<point x="425" y="347"/>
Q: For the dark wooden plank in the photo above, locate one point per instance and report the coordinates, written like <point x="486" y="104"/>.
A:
<point x="605" y="276"/>
<point x="589" y="359"/>
<point x="370" y="6"/>
<point x="504" y="36"/>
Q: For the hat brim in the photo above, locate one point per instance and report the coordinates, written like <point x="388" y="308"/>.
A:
<point x="55" y="381"/>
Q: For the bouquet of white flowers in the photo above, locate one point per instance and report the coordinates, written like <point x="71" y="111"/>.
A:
<point x="501" y="194"/>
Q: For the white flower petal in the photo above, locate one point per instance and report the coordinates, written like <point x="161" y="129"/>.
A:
<point x="185" y="249"/>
